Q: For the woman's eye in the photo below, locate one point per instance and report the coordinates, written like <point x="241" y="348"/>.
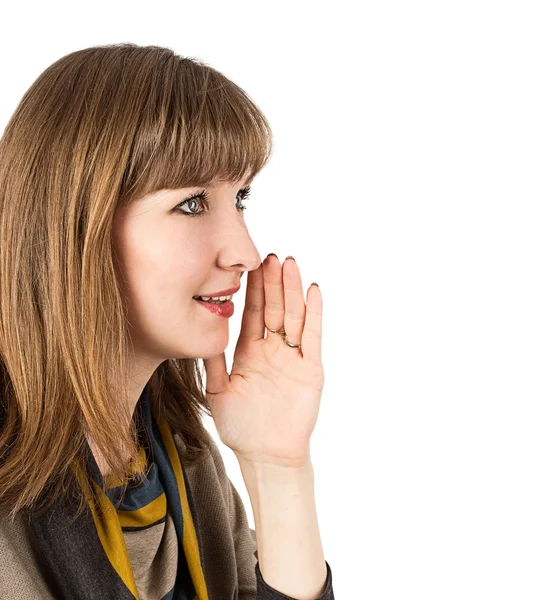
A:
<point x="188" y="204"/>
<point x="201" y="199"/>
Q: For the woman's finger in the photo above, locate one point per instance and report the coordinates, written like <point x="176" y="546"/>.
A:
<point x="252" y="326"/>
<point x="274" y="310"/>
<point x="312" y="332"/>
<point x="295" y="307"/>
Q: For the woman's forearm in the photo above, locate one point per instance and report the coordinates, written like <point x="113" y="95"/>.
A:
<point x="290" y="553"/>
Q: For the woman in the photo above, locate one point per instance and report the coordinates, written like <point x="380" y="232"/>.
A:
<point x="123" y="177"/>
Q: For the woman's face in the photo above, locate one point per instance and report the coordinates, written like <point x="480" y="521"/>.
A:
<point x="167" y="257"/>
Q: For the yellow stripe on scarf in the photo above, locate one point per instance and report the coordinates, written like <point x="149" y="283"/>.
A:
<point x="110" y="533"/>
<point x="146" y="515"/>
<point x="191" y="548"/>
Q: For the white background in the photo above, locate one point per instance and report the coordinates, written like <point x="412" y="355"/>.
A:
<point x="413" y="177"/>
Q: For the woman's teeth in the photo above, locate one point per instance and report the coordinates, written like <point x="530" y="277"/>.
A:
<point x="213" y="300"/>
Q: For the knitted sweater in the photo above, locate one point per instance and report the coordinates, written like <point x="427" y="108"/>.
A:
<point x="227" y="546"/>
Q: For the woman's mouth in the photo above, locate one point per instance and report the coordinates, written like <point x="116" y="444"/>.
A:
<point x="221" y="308"/>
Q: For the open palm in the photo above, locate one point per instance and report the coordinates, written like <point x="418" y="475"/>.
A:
<point x="267" y="408"/>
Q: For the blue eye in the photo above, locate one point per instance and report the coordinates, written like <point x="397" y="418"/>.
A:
<point x="201" y="198"/>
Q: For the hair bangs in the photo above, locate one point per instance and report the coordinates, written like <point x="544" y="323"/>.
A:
<point x="207" y="130"/>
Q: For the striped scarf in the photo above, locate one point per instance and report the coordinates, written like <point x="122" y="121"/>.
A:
<point x="88" y="559"/>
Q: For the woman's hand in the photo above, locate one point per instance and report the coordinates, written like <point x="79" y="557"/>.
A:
<point x="267" y="408"/>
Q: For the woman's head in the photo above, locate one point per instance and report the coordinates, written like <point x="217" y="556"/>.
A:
<point x="97" y="262"/>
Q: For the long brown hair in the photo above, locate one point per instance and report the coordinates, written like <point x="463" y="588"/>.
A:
<point x="98" y="129"/>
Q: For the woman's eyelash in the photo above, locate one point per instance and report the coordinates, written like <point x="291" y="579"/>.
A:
<point x="203" y="196"/>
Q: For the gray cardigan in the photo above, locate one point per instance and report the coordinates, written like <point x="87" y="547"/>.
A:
<point x="227" y="544"/>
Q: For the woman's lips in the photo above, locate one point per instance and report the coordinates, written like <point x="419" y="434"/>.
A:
<point x="221" y="310"/>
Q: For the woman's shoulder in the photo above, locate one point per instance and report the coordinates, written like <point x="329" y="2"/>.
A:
<point x="210" y="463"/>
<point x="20" y="576"/>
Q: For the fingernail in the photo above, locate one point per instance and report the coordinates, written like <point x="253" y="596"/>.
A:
<point x="314" y="283"/>
<point x="290" y="257"/>
<point x="272" y="254"/>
